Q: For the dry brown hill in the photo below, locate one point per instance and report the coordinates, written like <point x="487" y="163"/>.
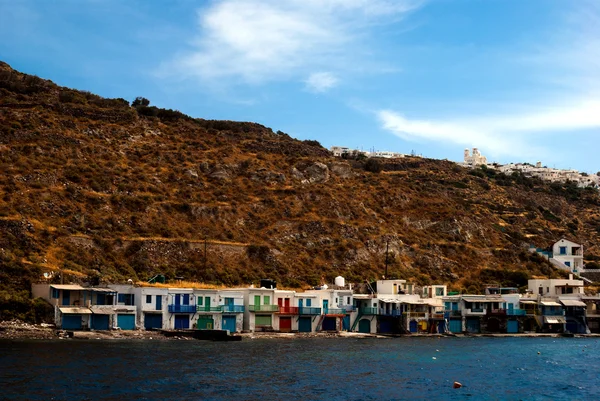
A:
<point x="99" y="190"/>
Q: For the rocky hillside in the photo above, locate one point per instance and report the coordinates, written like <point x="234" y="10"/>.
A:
<point x="99" y="190"/>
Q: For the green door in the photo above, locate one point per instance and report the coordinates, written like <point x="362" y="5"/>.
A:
<point x="205" y="323"/>
<point x="207" y="303"/>
<point x="257" y="302"/>
<point x="305" y="325"/>
<point x="364" y="326"/>
<point x="263" y="320"/>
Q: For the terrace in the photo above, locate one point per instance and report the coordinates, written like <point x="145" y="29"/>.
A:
<point x="174" y="308"/>
<point x="263" y="308"/>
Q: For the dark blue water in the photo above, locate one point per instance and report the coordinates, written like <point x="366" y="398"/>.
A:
<point x="310" y="369"/>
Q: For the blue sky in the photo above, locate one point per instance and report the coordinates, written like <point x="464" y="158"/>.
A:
<point x="518" y="79"/>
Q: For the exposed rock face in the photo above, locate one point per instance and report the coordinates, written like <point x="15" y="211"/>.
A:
<point x="342" y="170"/>
<point x="317" y="172"/>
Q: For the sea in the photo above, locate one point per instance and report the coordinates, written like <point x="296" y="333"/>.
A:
<point x="302" y="369"/>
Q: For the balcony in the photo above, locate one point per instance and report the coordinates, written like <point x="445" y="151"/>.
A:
<point x="309" y="311"/>
<point x="368" y="311"/>
<point x="288" y="310"/>
<point x="437" y="316"/>
<point x="496" y="312"/>
<point x="516" y="312"/>
<point x="416" y="315"/>
<point x="392" y="313"/>
<point x="336" y="311"/>
<point x="475" y="311"/>
<point x="182" y="308"/>
<point x="453" y="313"/>
<point x="263" y="308"/>
<point x="208" y="309"/>
<point x="553" y="312"/>
<point x="232" y="309"/>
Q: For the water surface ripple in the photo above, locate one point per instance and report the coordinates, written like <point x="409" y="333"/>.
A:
<point x="309" y="369"/>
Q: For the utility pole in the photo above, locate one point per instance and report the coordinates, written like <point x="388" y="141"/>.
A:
<point x="387" y="248"/>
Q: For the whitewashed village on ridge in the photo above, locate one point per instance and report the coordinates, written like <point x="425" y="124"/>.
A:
<point x="476" y="159"/>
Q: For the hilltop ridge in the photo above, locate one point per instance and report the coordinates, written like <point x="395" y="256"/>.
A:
<point x="98" y="190"/>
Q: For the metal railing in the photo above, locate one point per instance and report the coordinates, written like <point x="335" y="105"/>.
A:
<point x="305" y="310"/>
<point x="453" y="313"/>
<point x="209" y="309"/>
<point x="288" y="310"/>
<point x="263" y="308"/>
<point x="182" y="308"/>
<point x="497" y="312"/>
<point x="232" y="308"/>
<point x="335" y="311"/>
<point x="516" y="312"/>
<point x="368" y="311"/>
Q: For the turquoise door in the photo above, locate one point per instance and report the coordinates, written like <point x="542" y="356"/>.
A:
<point x="455" y="326"/>
<point x="126" y="322"/>
<point x="71" y="322"/>
<point x="305" y="325"/>
<point x="100" y="322"/>
<point x="325" y="306"/>
<point x="512" y="326"/>
<point x="511" y="308"/>
<point x="300" y="303"/>
<point x="364" y="326"/>
<point x="159" y="302"/>
<point x="229" y="323"/>
<point x="346" y="323"/>
<point x="66" y="299"/>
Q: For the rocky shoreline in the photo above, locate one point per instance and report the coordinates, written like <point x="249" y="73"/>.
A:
<point x="17" y="330"/>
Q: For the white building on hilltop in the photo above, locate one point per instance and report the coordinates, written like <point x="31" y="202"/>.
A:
<point x="475" y="159"/>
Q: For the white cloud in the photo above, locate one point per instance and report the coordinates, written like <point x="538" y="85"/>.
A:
<point x="256" y="41"/>
<point x="509" y="134"/>
<point x="321" y="82"/>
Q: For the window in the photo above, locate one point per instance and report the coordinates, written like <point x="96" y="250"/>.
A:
<point x="308" y="302"/>
<point x="439" y="292"/>
<point x="148" y="299"/>
<point x="200" y="301"/>
<point x="568" y="264"/>
<point x="126" y="299"/>
<point x="267" y="300"/>
<point x="563" y="250"/>
<point x="55" y="293"/>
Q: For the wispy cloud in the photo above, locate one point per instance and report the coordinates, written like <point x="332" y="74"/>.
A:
<point x="321" y="81"/>
<point x="507" y="134"/>
<point x="257" y="41"/>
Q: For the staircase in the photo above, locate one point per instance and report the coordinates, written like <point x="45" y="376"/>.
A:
<point x="356" y="321"/>
<point x="318" y="328"/>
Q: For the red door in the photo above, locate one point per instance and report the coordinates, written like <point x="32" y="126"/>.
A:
<point x="287" y="303"/>
<point x="285" y="324"/>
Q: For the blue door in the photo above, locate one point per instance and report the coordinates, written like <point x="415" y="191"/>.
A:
<point x="159" y="302"/>
<point x="186" y="299"/>
<point x="177" y="299"/>
<point x="100" y="322"/>
<point x="512" y="326"/>
<point x="66" y="300"/>
<point x="152" y="321"/>
<point x="126" y="322"/>
<point x="229" y="323"/>
<point x="346" y="323"/>
<point x="71" y="322"/>
<point x="182" y="322"/>
<point x="455" y="326"/>
<point x="305" y="325"/>
<point x="473" y="325"/>
<point x="413" y="326"/>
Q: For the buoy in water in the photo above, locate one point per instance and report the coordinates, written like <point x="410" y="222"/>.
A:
<point x="456" y="385"/>
<point x="433" y="357"/>
<point x="539" y="353"/>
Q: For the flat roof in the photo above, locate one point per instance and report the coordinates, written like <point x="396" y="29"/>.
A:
<point x="71" y="287"/>
<point x="550" y="303"/>
<point x="572" y="302"/>
<point x="74" y="311"/>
